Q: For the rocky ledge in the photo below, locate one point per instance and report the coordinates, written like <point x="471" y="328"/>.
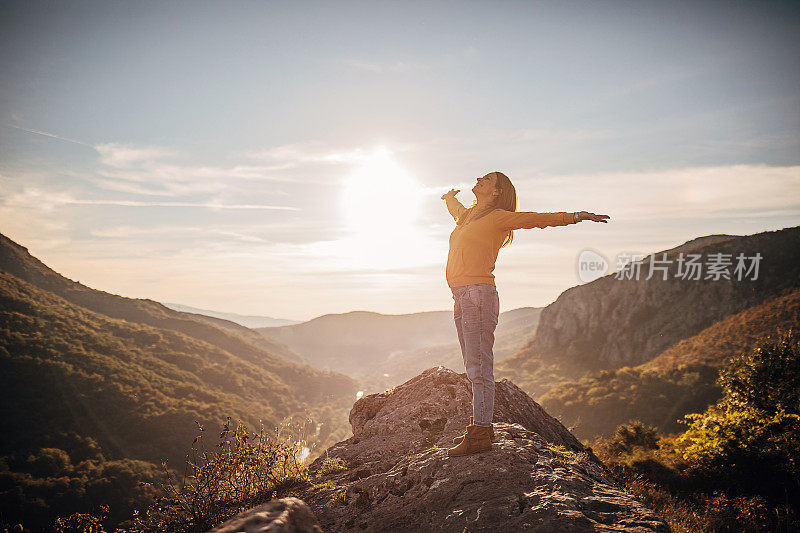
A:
<point x="394" y="473"/>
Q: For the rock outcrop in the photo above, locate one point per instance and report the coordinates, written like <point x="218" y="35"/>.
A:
<point x="288" y="515"/>
<point x="394" y="474"/>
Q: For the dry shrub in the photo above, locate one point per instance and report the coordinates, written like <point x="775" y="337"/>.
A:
<point x="240" y="471"/>
<point x="82" y="522"/>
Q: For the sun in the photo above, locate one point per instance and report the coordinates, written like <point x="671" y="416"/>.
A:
<point x="380" y="196"/>
<point x="381" y="205"/>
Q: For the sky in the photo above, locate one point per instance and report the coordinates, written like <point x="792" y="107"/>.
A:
<point x="287" y="159"/>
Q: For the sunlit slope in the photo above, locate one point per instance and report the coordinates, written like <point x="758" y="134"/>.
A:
<point x="733" y="334"/>
<point x="253" y="337"/>
<point x="309" y="383"/>
<point x="136" y="385"/>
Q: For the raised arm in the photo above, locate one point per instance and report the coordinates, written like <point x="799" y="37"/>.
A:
<point x="453" y="205"/>
<point x="508" y="220"/>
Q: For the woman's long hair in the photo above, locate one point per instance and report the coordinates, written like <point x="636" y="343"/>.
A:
<point x="506" y="199"/>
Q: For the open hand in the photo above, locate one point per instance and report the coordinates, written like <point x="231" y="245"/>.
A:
<point x="450" y="194"/>
<point x="585" y="215"/>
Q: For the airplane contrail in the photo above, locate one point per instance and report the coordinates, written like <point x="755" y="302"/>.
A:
<point x="54" y="136"/>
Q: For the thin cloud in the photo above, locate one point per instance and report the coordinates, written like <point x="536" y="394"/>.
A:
<point x="134" y="203"/>
<point x="35" y="198"/>
<point x="175" y="233"/>
<point x="124" y="155"/>
<point x="170" y="179"/>
<point x="292" y="155"/>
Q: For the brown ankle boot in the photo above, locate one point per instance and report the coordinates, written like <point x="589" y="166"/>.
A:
<point x="477" y="439"/>
<point x="457" y="440"/>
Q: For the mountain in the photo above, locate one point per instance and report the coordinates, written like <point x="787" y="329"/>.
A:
<point x="395" y="474"/>
<point x="358" y="341"/>
<point x="228" y="336"/>
<point x="732" y="335"/>
<point x="680" y="380"/>
<point x="253" y="337"/>
<point x="514" y="329"/>
<point x="92" y="376"/>
<point x="248" y="321"/>
<point x="610" y="323"/>
<point x="384" y="350"/>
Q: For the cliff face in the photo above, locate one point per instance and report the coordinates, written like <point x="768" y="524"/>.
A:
<point x="397" y="475"/>
<point x="610" y="322"/>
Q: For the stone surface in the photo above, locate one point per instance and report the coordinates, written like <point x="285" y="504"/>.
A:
<point x="398" y="476"/>
<point x="288" y="515"/>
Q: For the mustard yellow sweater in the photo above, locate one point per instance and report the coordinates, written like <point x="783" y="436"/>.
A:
<point x="475" y="244"/>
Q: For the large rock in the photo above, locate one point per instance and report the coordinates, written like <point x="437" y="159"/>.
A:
<point x="398" y="476"/>
<point x="288" y="515"/>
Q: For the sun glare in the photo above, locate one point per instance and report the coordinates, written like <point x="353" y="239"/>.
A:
<point x="381" y="203"/>
<point x="376" y="192"/>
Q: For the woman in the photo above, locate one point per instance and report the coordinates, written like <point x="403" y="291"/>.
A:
<point x="480" y="232"/>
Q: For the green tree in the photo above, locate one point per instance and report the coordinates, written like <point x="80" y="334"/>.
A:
<point x="750" y="440"/>
<point x="766" y="378"/>
<point x="632" y="435"/>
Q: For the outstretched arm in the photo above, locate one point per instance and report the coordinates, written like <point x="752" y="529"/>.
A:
<point x="509" y="220"/>
<point x="453" y="205"/>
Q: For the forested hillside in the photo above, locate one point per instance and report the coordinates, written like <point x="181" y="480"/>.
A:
<point x="94" y="383"/>
<point x="680" y="380"/>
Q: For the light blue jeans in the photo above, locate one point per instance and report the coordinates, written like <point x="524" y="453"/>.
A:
<point x="476" y="311"/>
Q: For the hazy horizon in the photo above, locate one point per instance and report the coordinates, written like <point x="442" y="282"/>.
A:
<point x="287" y="160"/>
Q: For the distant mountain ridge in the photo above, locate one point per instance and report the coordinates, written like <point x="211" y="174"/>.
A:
<point x="248" y="321"/>
<point x="698" y="242"/>
<point x="253" y="337"/>
<point x="385" y="350"/>
<point x="514" y="329"/>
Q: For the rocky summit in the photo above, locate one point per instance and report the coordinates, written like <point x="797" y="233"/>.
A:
<point x="394" y="473"/>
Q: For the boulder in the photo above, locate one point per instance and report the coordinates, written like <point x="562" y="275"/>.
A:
<point x="397" y="476"/>
<point x="288" y="515"/>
